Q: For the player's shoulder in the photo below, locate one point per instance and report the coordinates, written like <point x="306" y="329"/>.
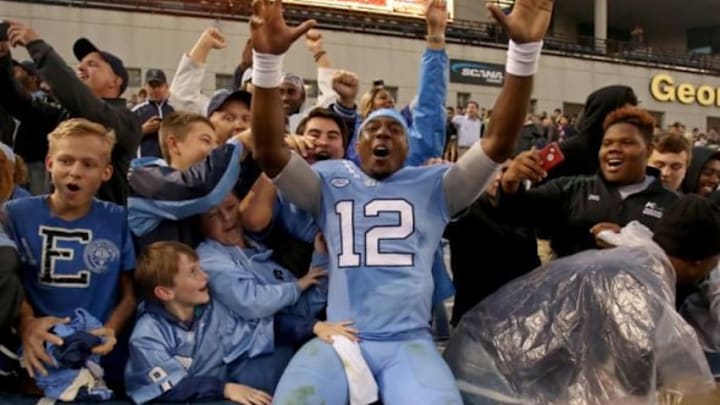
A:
<point x="333" y="165"/>
<point x="421" y="172"/>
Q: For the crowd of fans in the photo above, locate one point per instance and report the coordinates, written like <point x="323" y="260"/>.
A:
<point x="249" y="246"/>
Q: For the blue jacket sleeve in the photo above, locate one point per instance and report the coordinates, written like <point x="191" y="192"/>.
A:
<point x="352" y="121"/>
<point x="152" y="370"/>
<point x="236" y="287"/>
<point x="427" y="134"/>
<point x="162" y="193"/>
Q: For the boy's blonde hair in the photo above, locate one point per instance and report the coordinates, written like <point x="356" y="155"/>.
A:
<point x="177" y="124"/>
<point x="158" y="266"/>
<point x="81" y="127"/>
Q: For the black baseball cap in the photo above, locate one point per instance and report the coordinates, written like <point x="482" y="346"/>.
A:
<point x="222" y="96"/>
<point x="155" y="76"/>
<point x="83" y="47"/>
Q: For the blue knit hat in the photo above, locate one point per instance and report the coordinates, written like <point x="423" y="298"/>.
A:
<point x="385" y="113"/>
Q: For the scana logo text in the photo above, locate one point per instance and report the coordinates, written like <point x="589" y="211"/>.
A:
<point x="489" y="75"/>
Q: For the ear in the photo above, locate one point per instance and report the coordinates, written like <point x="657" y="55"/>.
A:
<point x="48" y="163"/>
<point x="107" y="172"/>
<point x="172" y="145"/>
<point x="650" y="148"/>
<point x="163" y="293"/>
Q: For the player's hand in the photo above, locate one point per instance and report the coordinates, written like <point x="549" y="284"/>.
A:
<point x="314" y="41"/>
<point x="242" y="394"/>
<point x="604" y="226"/>
<point x="326" y="330"/>
<point x="151" y="126"/>
<point x="34" y="332"/>
<point x="303" y="145"/>
<point x="311" y="278"/>
<point x="528" y="21"/>
<point x="526" y="166"/>
<point x="109" y="340"/>
<point x="436" y="16"/>
<point x="20" y="34"/>
<point x="347" y="85"/>
<point x="268" y="30"/>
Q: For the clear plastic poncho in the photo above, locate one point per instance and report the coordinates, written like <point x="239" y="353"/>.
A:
<point x="599" y="327"/>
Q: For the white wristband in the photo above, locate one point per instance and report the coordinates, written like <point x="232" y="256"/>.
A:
<point x="523" y="59"/>
<point x="267" y="70"/>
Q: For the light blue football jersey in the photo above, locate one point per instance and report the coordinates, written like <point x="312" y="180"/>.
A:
<point x="68" y="265"/>
<point x="382" y="237"/>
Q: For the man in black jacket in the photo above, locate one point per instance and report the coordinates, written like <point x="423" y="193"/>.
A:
<point x="572" y="209"/>
<point x="93" y="93"/>
<point x="152" y="111"/>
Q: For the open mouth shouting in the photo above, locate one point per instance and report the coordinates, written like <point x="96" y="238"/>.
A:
<point x="381" y="151"/>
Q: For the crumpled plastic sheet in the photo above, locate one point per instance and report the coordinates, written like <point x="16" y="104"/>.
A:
<point x="599" y="327"/>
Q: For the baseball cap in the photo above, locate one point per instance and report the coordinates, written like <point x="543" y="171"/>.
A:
<point x="386" y="113"/>
<point x="83" y="47"/>
<point x="155" y="75"/>
<point x="222" y="96"/>
<point x="28" y="66"/>
<point x="690" y="229"/>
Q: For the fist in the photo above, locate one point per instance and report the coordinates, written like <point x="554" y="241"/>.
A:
<point x="436" y="15"/>
<point x="346" y="85"/>
<point x="314" y="41"/>
<point x="212" y="38"/>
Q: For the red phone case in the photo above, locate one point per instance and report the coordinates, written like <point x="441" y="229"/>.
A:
<point x="551" y="156"/>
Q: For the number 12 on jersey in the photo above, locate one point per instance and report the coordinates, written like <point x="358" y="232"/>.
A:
<point x="350" y="257"/>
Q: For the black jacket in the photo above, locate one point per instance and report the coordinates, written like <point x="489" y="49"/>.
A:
<point x="150" y="143"/>
<point x="80" y="102"/>
<point x="11" y="292"/>
<point x="700" y="156"/>
<point x="530" y="135"/>
<point x="581" y="151"/>
<point x="37" y="116"/>
<point x="486" y="253"/>
<point x="566" y="208"/>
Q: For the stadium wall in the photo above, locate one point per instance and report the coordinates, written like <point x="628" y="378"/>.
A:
<point x="157" y="41"/>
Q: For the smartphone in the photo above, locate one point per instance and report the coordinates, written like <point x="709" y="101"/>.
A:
<point x="551" y="156"/>
<point x="3" y="31"/>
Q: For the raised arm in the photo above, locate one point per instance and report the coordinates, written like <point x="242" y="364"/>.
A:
<point x="271" y="38"/>
<point x="428" y="115"/>
<point x="186" y="87"/>
<point x="526" y="26"/>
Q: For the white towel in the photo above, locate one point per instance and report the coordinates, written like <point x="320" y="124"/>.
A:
<point x="362" y="385"/>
